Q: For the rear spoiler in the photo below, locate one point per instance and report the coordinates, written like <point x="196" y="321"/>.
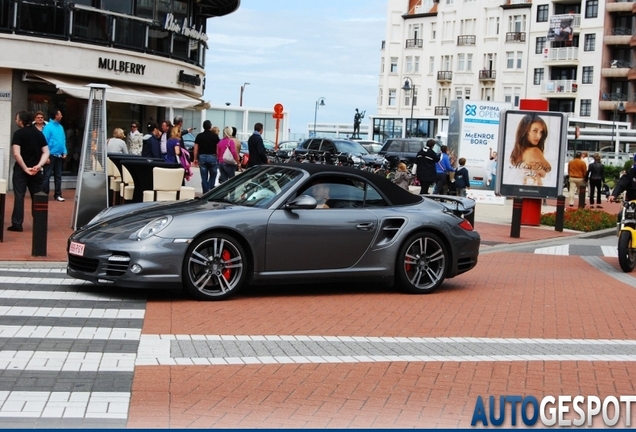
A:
<point x="460" y="206"/>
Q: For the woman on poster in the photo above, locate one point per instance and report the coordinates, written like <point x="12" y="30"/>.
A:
<point x="527" y="155"/>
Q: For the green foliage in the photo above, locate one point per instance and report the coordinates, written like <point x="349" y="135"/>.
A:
<point x="628" y="164"/>
<point x="585" y="220"/>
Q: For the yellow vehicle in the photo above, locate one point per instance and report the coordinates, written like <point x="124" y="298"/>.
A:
<point x="626" y="232"/>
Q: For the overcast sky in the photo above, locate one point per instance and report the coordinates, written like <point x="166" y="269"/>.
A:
<point x="295" y="51"/>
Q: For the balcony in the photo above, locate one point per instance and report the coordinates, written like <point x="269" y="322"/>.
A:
<point x="611" y="101"/>
<point x="619" y="6"/>
<point x="516" y="37"/>
<point x="441" y="111"/>
<point x="557" y="88"/>
<point x="562" y="55"/>
<point x="466" y="40"/>
<point x="414" y="43"/>
<point x="444" y="76"/>
<point x="616" y="69"/>
<point x="619" y="36"/>
<point x="487" y="75"/>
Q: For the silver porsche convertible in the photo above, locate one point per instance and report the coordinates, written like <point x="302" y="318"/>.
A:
<point x="287" y="223"/>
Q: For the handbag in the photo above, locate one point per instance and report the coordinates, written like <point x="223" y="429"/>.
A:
<point x="228" y="157"/>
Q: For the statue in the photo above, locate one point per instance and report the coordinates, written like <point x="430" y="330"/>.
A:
<point x="357" y="118"/>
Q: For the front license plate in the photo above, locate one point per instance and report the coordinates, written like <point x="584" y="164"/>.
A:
<point x="76" y="249"/>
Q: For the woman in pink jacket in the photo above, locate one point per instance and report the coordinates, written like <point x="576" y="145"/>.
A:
<point x="227" y="168"/>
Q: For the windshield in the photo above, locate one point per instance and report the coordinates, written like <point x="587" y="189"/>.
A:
<point x="351" y="147"/>
<point x="257" y="187"/>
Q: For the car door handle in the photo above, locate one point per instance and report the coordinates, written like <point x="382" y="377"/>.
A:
<point x="367" y="226"/>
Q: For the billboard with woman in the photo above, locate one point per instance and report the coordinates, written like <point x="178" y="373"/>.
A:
<point x="531" y="153"/>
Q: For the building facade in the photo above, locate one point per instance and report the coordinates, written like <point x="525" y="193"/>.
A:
<point x="575" y="54"/>
<point x="151" y="54"/>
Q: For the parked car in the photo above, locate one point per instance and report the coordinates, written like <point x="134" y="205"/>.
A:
<point x="339" y="146"/>
<point x="286" y="149"/>
<point x="245" y="151"/>
<point x="188" y="141"/>
<point x="264" y="226"/>
<point x="403" y="149"/>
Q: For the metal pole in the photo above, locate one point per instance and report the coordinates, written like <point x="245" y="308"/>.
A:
<point x="241" y="98"/>
<point x="315" y="117"/>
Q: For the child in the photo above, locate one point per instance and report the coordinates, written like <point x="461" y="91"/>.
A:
<point x="462" y="180"/>
<point x="402" y="176"/>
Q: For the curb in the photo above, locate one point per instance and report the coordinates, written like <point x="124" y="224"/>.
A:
<point x="547" y="242"/>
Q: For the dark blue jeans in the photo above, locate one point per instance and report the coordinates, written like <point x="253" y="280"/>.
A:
<point x="227" y="171"/>
<point x="22" y="181"/>
<point x="208" y="166"/>
<point x="54" y="168"/>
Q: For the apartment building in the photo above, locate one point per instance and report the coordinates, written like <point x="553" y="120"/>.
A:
<point x="575" y="54"/>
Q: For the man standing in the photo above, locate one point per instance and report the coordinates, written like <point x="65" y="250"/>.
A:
<point x="30" y="152"/>
<point x="426" y="160"/>
<point x="205" y="156"/>
<point x="56" y="139"/>
<point x="135" y="139"/>
<point x="577" y="171"/>
<point x="165" y="129"/>
<point x="258" y="155"/>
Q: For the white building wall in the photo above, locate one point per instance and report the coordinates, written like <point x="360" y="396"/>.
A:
<point x="6" y="85"/>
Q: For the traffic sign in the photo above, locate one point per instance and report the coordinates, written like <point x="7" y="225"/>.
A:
<point x="278" y="109"/>
<point x="277" y="115"/>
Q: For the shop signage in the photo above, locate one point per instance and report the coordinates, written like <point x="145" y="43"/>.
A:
<point x="5" y="95"/>
<point x="185" y="78"/>
<point x="172" y="25"/>
<point x="122" y="66"/>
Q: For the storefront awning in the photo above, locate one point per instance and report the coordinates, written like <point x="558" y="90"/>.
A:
<point x="142" y="95"/>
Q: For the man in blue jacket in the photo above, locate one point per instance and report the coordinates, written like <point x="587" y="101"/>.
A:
<point x="56" y="140"/>
<point x="443" y="168"/>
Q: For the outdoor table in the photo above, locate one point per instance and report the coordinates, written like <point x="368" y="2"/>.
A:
<point x="141" y="172"/>
<point x="116" y="158"/>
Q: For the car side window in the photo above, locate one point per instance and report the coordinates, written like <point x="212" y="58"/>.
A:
<point x="373" y="198"/>
<point x="327" y="146"/>
<point x="415" y="146"/>
<point x="395" y="146"/>
<point x="314" y="144"/>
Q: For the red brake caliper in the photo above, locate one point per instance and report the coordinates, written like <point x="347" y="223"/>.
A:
<point x="226" y="257"/>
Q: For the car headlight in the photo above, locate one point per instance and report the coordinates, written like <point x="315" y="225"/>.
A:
<point x="154" y="227"/>
<point x="356" y="159"/>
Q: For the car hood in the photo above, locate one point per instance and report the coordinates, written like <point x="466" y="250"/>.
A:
<point x="373" y="159"/>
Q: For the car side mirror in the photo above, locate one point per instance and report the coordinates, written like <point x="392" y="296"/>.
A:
<point x="302" y="202"/>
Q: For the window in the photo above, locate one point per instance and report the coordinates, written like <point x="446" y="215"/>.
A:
<point x="467" y="26"/>
<point x="392" y="95"/>
<point x="461" y="62"/>
<point x="591" y="9"/>
<point x="431" y="65"/>
<point x="459" y="93"/>
<point x="414" y="96"/>
<point x="517" y="23"/>
<point x="542" y="13"/>
<point x="590" y="42"/>
<point x="586" y="107"/>
<point x="380" y="98"/>
<point x="394" y="63"/>
<point x="510" y="59"/>
<point x="433" y="31"/>
<point x="382" y="65"/>
<point x="449" y="30"/>
<point x="519" y="59"/>
<point x="540" y="46"/>
<point x="407" y="99"/>
<point x="469" y="62"/>
<point x="467" y="93"/>
<point x="416" y="64"/>
<point x="538" y="76"/>
<point x="414" y="31"/>
<point x="409" y="64"/>
<point x="429" y="97"/>
<point x="487" y="93"/>
<point x="447" y="62"/>
<point x="507" y="94"/>
<point x="588" y="75"/>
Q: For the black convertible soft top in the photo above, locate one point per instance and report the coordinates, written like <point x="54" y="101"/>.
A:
<point x="395" y="194"/>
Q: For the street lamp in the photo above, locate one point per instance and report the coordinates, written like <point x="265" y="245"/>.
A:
<point x="618" y="108"/>
<point x="408" y="86"/>
<point x="242" y="90"/>
<point x="319" y="102"/>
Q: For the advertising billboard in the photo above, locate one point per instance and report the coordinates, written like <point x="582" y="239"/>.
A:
<point x="531" y="153"/>
<point x="473" y="131"/>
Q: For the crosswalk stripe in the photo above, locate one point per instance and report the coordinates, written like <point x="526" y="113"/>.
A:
<point x="56" y="295"/>
<point x="57" y="332"/>
<point x="41" y="281"/>
<point x="553" y="250"/>
<point x="50" y="312"/>
<point x="610" y="251"/>
<point x="61" y="361"/>
<point x="24" y="404"/>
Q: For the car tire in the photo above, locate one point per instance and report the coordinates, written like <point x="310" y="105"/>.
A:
<point x="214" y="267"/>
<point x="421" y="263"/>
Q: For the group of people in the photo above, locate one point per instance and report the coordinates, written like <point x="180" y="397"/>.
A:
<point x="213" y="154"/>
<point x="581" y="174"/>
<point x="39" y="151"/>
<point x="437" y="170"/>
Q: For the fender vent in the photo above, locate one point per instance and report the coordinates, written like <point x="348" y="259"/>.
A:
<point x="388" y="230"/>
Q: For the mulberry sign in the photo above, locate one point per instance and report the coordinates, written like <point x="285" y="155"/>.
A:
<point x="122" y="66"/>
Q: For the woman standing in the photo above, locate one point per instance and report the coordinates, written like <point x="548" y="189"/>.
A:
<point x="173" y="145"/>
<point x="227" y="166"/>
<point x="116" y="144"/>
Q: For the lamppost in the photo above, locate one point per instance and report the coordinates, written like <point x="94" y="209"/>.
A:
<point x="242" y="90"/>
<point x="319" y="102"/>
<point x="408" y="86"/>
<point x="618" y="108"/>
